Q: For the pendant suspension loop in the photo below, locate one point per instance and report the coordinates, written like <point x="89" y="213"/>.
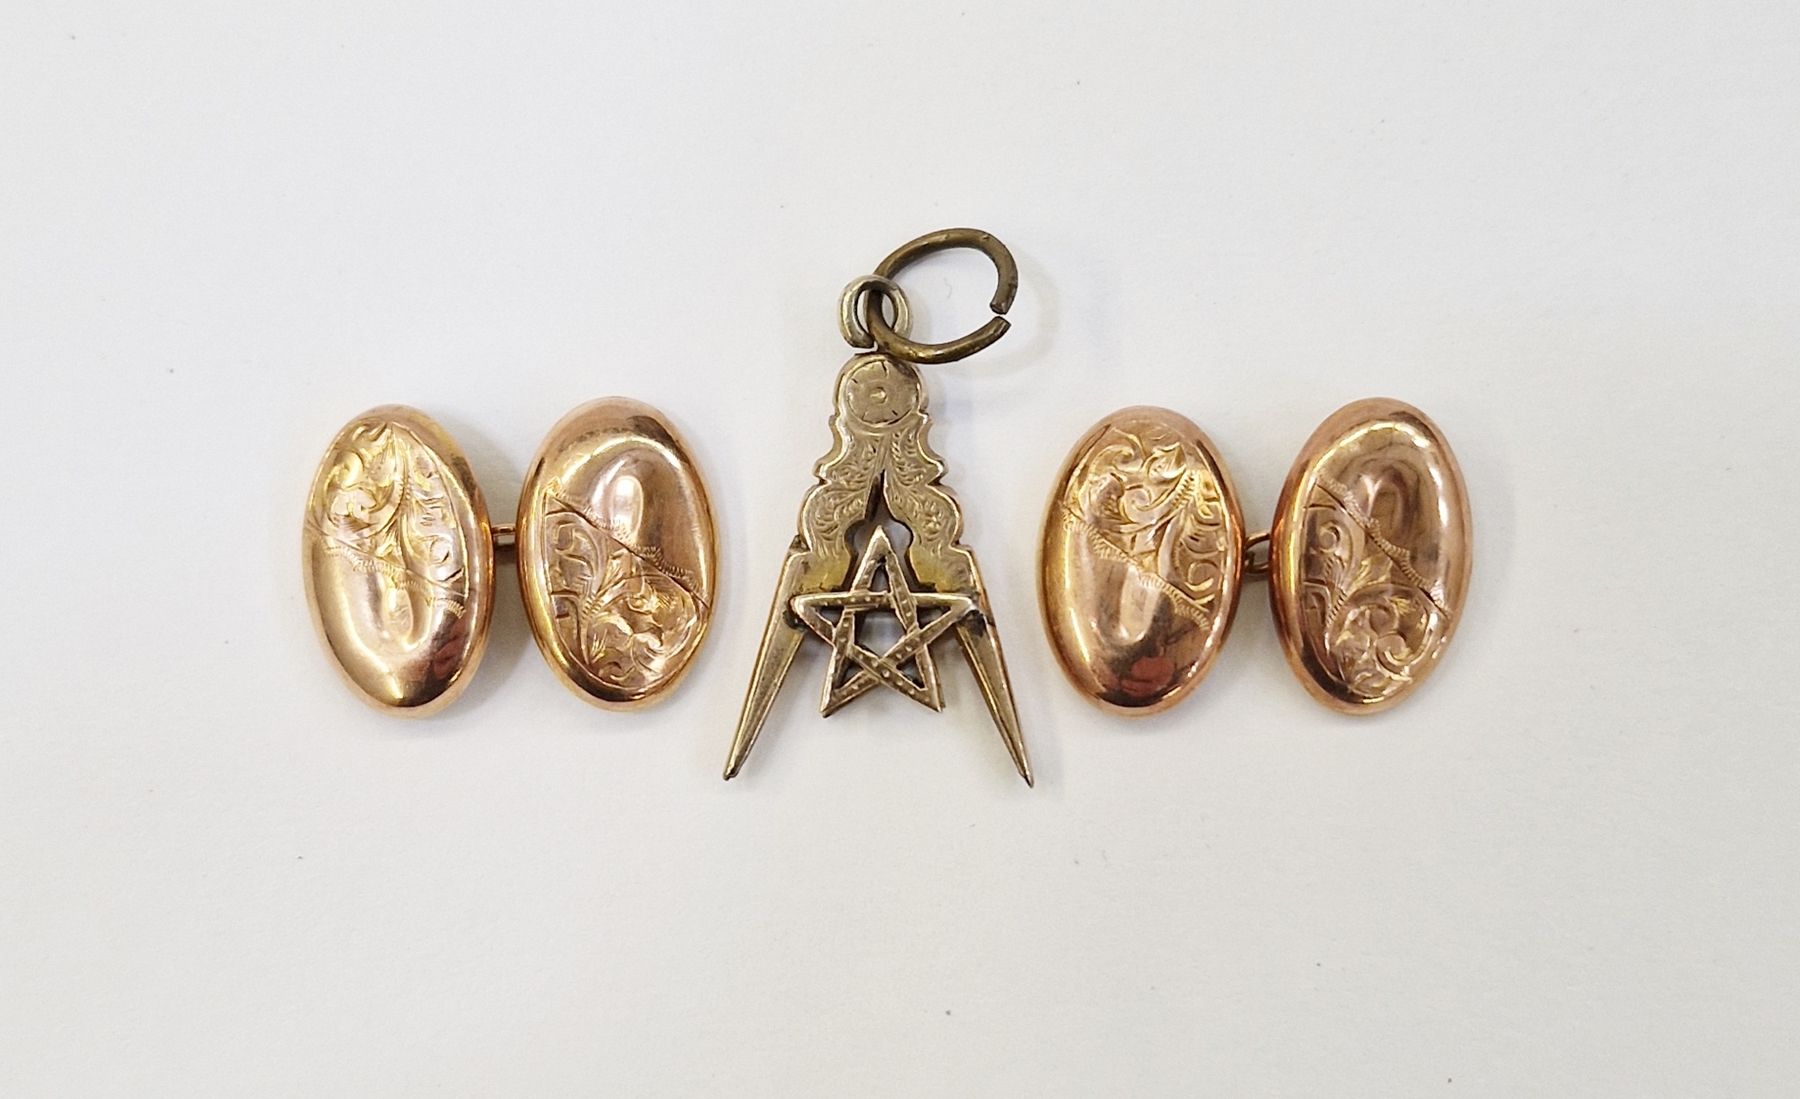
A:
<point x="862" y="298"/>
<point x="1256" y="566"/>
<point x="895" y="342"/>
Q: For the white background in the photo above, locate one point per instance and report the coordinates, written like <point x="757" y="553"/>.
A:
<point x="1570" y="865"/>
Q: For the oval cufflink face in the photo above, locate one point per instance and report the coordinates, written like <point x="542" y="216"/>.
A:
<point x="1141" y="561"/>
<point x="1369" y="555"/>
<point x="399" y="561"/>
<point x="617" y="552"/>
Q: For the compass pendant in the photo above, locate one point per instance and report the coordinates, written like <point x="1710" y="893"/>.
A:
<point x="881" y="455"/>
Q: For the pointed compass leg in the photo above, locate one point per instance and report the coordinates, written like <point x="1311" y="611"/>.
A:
<point x="982" y="647"/>
<point x="781" y="640"/>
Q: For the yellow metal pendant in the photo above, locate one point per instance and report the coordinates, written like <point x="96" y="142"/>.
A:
<point x="881" y="459"/>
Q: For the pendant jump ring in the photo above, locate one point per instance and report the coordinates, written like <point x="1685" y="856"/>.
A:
<point x="895" y="343"/>
<point x="862" y="298"/>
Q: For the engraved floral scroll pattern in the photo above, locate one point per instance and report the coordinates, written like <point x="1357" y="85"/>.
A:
<point x="386" y="509"/>
<point x="879" y="436"/>
<point x="1147" y="500"/>
<point x="1363" y="598"/>
<point x="626" y="615"/>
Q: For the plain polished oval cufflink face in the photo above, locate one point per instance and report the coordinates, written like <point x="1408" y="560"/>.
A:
<point x="1143" y="554"/>
<point x="399" y="561"/>
<point x="616" y="545"/>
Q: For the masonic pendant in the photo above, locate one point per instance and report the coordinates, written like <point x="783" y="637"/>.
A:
<point x="881" y="462"/>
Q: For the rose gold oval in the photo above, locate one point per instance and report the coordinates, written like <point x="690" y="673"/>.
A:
<point x="1141" y="560"/>
<point x="617" y="550"/>
<point x="1369" y="555"/>
<point x="398" y="561"/>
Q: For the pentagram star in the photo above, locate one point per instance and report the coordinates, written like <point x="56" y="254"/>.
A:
<point x="900" y="600"/>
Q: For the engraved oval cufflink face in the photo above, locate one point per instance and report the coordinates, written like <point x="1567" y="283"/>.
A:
<point x="1141" y="561"/>
<point x="617" y="552"/>
<point x="399" y="561"/>
<point x="1369" y="555"/>
<point x="1143" y="556"/>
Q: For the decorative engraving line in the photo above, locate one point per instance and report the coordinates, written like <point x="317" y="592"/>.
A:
<point x="1146" y="499"/>
<point x="364" y="563"/>
<point x="386" y="509"/>
<point x="628" y="616"/>
<point x="651" y="556"/>
<point x="1375" y="617"/>
<point x="1197" y="608"/>
<point x="1371" y="526"/>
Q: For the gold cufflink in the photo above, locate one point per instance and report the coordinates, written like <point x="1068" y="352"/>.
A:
<point x="615" y="541"/>
<point x="1144" y="555"/>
